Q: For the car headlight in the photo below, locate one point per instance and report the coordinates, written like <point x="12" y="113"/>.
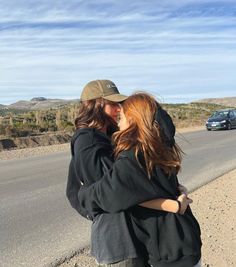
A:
<point x="206" y="121"/>
<point x="223" y="121"/>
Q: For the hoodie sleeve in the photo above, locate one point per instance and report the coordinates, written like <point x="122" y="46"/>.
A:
<point x="85" y="168"/>
<point x="123" y="186"/>
<point x="72" y="189"/>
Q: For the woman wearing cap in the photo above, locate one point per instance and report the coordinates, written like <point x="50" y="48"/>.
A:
<point x="112" y="240"/>
<point x="146" y="164"/>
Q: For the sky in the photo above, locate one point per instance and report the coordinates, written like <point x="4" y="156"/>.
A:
<point x="177" y="50"/>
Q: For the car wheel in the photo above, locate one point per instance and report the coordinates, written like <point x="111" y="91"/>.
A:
<point x="229" y="126"/>
<point x="208" y="129"/>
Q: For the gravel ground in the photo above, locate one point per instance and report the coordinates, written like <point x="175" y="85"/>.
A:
<point x="33" y="151"/>
<point x="214" y="206"/>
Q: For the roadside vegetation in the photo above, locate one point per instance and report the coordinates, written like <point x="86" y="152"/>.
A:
<point x="192" y="114"/>
<point x="17" y="123"/>
<point x="30" y="123"/>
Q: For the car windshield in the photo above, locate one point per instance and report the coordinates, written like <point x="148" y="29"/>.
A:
<point x="220" y="114"/>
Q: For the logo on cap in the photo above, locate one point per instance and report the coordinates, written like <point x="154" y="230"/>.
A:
<point x="111" y="86"/>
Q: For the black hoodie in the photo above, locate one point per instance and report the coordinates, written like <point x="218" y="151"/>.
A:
<point x="164" y="239"/>
<point x="111" y="240"/>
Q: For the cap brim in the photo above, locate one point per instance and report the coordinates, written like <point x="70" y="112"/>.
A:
<point x="116" y="97"/>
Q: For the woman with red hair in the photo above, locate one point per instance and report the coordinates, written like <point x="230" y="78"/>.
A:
<point x="147" y="161"/>
<point x="112" y="242"/>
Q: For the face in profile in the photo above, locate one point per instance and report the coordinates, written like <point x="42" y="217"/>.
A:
<point x="123" y="123"/>
<point x="112" y="109"/>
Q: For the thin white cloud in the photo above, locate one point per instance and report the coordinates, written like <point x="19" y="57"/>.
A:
<point x="175" y="46"/>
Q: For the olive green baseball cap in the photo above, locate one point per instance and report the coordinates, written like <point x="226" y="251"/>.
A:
<point x="102" y="88"/>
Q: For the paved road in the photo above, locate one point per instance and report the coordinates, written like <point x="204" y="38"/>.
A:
<point x="37" y="225"/>
<point x="208" y="156"/>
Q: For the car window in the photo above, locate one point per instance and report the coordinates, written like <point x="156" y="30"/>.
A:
<point x="231" y="114"/>
<point x="220" y="114"/>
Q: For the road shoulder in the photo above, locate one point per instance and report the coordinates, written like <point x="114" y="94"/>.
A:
<point x="214" y="206"/>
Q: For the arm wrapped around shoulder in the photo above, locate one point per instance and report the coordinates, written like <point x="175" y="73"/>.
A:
<point x="122" y="187"/>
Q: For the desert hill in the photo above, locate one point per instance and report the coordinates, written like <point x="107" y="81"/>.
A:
<point x="42" y="103"/>
<point x="224" y="101"/>
<point x="39" y="103"/>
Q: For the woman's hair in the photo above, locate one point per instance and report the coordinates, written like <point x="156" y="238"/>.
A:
<point x="145" y="137"/>
<point x="92" y="115"/>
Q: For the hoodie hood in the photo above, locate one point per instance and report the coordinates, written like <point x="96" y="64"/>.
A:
<point x="166" y="124"/>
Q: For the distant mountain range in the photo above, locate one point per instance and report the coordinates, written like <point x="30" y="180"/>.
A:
<point x="42" y="103"/>
<point x="224" y="101"/>
<point x="39" y="103"/>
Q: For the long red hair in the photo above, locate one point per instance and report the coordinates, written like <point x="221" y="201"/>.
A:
<point x="144" y="135"/>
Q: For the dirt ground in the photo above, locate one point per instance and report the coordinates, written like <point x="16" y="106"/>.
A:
<point x="190" y="129"/>
<point x="214" y="206"/>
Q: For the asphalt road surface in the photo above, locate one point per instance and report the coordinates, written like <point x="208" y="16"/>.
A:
<point x="37" y="225"/>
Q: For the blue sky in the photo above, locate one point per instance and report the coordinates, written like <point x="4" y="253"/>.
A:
<point x="177" y="50"/>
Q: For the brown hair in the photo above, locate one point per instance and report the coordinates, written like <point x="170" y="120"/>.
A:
<point x="92" y="115"/>
<point x="144" y="135"/>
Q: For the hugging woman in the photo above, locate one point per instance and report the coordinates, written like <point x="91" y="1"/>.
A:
<point x="113" y="239"/>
